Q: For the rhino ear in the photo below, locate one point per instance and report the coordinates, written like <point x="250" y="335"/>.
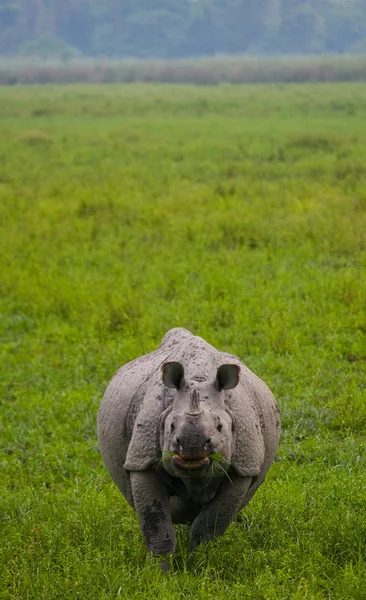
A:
<point x="172" y="374"/>
<point x="227" y="377"/>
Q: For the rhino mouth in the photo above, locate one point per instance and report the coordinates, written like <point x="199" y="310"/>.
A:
<point x="190" y="463"/>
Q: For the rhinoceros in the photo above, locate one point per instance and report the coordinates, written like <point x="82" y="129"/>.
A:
<point x="188" y="434"/>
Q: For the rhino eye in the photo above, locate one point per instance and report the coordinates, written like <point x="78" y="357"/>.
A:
<point x="172" y="427"/>
<point x="219" y="427"/>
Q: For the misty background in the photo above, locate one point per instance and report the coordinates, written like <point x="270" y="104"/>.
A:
<point x="180" y="28"/>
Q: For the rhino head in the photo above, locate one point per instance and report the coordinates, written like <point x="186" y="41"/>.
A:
<point x="211" y="423"/>
<point x="196" y="433"/>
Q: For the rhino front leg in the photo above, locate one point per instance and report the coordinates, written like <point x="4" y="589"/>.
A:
<point x="151" y="502"/>
<point x="217" y="515"/>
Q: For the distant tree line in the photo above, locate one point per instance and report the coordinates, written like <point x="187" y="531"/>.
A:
<point x="180" y="28"/>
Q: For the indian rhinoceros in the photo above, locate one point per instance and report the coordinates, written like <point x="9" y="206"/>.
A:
<point x="188" y="434"/>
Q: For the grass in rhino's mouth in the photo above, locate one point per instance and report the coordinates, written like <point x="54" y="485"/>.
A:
<point x="166" y="454"/>
<point x="217" y="463"/>
<point x="215" y="457"/>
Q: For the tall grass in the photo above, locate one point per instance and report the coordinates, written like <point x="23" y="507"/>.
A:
<point x="196" y="71"/>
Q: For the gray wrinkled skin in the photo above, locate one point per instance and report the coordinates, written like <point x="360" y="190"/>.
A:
<point x="188" y="434"/>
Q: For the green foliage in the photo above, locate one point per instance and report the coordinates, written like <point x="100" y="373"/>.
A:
<point x="48" y="46"/>
<point x="181" y="28"/>
<point x="237" y="212"/>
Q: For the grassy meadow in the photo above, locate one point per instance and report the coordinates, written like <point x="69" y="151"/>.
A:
<point x="238" y="213"/>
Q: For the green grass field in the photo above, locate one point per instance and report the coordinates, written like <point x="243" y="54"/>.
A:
<point x="238" y="213"/>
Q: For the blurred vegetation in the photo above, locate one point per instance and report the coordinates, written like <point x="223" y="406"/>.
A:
<point x="201" y="71"/>
<point x="180" y="28"/>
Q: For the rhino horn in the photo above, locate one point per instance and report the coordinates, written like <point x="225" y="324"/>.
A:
<point x="194" y="408"/>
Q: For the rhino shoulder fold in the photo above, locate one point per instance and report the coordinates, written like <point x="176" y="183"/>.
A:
<point x="144" y="446"/>
<point x="256" y="431"/>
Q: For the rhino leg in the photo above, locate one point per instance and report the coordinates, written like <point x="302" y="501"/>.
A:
<point x="217" y="514"/>
<point x="151" y="502"/>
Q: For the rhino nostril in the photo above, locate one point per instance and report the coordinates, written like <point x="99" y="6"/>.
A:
<point x="178" y="440"/>
<point x="208" y="446"/>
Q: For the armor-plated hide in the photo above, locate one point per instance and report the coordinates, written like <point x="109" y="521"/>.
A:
<point x="188" y="434"/>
